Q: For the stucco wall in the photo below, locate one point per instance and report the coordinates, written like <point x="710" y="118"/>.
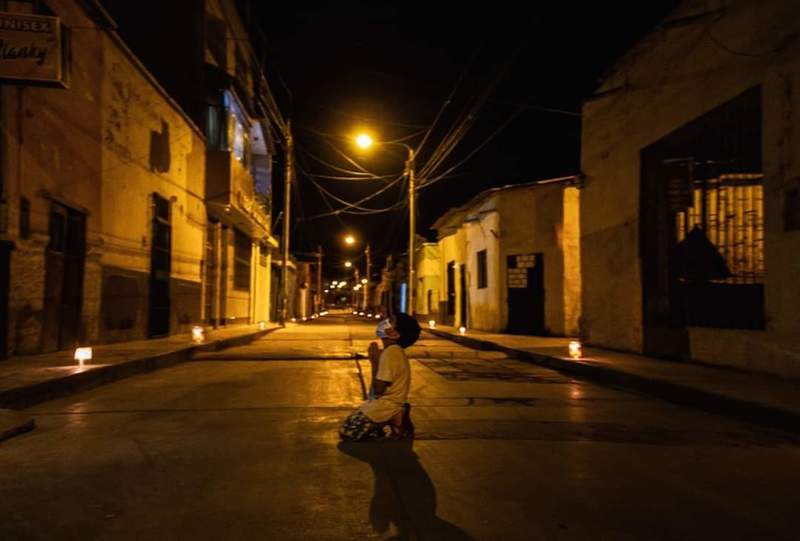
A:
<point x="88" y="147"/>
<point x="672" y="77"/>
<point x="451" y="249"/>
<point x="428" y="277"/>
<point x="532" y="221"/>
<point x="485" y="307"/>
<point x="149" y="148"/>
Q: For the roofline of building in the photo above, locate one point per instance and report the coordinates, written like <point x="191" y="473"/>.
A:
<point x="444" y="221"/>
<point x="668" y="21"/>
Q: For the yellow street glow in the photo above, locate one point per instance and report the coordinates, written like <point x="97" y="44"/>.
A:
<point x="364" y="140"/>
<point x="349" y="239"/>
<point x="575" y="349"/>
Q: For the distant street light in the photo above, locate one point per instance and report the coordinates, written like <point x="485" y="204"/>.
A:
<point x="348" y="264"/>
<point x="349" y="240"/>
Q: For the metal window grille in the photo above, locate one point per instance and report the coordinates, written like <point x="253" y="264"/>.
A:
<point x="730" y="209"/>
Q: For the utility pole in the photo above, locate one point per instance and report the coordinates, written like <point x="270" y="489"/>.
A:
<point x="369" y="272"/>
<point x="357" y="282"/>
<point x="320" y="298"/>
<point x="287" y="194"/>
<point x="412" y="230"/>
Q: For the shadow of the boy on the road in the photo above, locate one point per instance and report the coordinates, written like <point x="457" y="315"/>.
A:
<point x="404" y="495"/>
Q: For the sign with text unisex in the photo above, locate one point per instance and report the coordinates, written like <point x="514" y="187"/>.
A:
<point x="31" y="49"/>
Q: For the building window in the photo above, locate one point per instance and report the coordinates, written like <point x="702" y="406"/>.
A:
<point x="217" y="40"/>
<point x="241" y="68"/>
<point x="214" y="133"/>
<point x="24" y="218"/>
<point x="728" y="212"/>
<point x="719" y="257"/>
<point x="242" y="253"/>
<point x="451" y="288"/>
<point x="482" y="282"/>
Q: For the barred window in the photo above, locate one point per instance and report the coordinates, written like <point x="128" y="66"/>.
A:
<point x="482" y="280"/>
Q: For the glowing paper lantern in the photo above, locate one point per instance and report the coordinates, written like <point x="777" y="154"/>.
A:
<point x="82" y="355"/>
<point x="198" y="334"/>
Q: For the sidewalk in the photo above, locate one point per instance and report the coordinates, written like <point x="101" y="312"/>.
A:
<point x="752" y="397"/>
<point x="28" y="380"/>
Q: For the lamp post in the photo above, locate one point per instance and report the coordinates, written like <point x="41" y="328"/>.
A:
<point x="365" y="141"/>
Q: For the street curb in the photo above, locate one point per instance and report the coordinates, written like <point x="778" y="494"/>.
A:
<point x="29" y="395"/>
<point x="13" y="424"/>
<point x="743" y="410"/>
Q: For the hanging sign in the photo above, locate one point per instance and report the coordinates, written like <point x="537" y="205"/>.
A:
<point x="31" y="49"/>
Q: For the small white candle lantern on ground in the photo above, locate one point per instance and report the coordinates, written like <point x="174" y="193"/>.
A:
<point x="262" y="325"/>
<point x="198" y="334"/>
<point x="432" y="324"/>
<point x="82" y="355"/>
<point x="575" y="349"/>
<point x="462" y="330"/>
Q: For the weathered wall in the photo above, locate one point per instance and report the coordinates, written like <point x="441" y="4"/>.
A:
<point x="532" y="221"/>
<point x="88" y="147"/>
<point x="486" y="310"/>
<point x="672" y="77"/>
<point x="149" y="148"/>
<point x="451" y="248"/>
<point x="428" y="279"/>
<point x="53" y="141"/>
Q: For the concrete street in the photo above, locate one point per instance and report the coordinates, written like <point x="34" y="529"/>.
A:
<point x="243" y="444"/>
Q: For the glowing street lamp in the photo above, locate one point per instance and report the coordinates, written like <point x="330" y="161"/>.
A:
<point x="348" y="264"/>
<point x="364" y="140"/>
<point x="349" y="240"/>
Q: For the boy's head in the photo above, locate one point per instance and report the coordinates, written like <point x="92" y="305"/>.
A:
<point x="404" y="330"/>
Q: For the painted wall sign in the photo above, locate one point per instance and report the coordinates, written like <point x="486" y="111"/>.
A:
<point x="31" y="49"/>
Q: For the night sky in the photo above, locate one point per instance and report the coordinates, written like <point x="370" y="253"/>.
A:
<point x="391" y="66"/>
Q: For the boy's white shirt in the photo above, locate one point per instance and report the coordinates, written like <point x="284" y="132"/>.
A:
<point x="393" y="368"/>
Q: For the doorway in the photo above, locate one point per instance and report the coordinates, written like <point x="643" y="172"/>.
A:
<point x="160" y="268"/>
<point x="525" y="279"/>
<point x="65" y="260"/>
